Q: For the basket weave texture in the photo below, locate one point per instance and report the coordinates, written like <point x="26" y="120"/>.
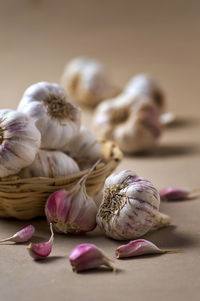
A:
<point x="26" y="198"/>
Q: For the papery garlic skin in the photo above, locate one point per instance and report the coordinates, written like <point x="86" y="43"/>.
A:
<point x="86" y="257"/>
<point x="84" y="148"/>
<point x="50" y="164"/>
<point x="56" y="117"/>
<point x="71" y="211"/>
<point x="19" y="141"/>
<point x="135" y="126"/>
<point x="145" y="85"/>
<point x="130" y="206"/>
<point x="86" y="81"/>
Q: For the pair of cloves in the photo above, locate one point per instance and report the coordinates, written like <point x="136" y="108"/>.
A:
<point x="87" y="256"/>
<point x="36" y="251"/>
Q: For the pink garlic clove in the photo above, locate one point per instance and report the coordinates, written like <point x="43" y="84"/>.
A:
<point x="176" y="194"/>
<point x="87" y="256"/>
<point x="140" y="247"/>
<point x="21" y="236"/>
<point x="41" y="250"/>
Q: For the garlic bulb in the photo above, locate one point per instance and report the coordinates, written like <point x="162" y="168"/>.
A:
<point x="50" y="164"/>
<point x="84" y="149"/>
<point x="19" y="141"/>
<point x="144" y="85"/>
<point x="136" y="127"/>
<point x="130" y="206"/>
<point x="56" y="117"/>
<point x="72" y="211"/>
<point x="86" y="81"/>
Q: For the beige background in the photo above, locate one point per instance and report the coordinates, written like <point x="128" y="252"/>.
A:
<point x="160" y="37"/>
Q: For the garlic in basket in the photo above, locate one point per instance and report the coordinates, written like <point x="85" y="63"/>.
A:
<point x="145" y="85"/>
<point x="72" y="211"/>
<point x="86" y="81"/>
<point x="50" y="164"/>
<point x="19" y="141"/>
<point x="56" y="117"/>
<point x="84" y="148"/>
<point x="135" y="127"/>
<point x="130" y="206"/>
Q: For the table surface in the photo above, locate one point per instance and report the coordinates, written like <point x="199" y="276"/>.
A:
<point x="37" y="38"/>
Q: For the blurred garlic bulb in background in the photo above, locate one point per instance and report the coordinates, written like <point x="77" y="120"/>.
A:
<point x="130" y="206"/>
<point x="84" y="148"/>
<point x="136" y="127"/>
<point x="19" y="141"/>
<point x="86" y="81"/>
<point x="56" y="117"/>
<point x="144" y="85"/>
<point x="50" y="164"/>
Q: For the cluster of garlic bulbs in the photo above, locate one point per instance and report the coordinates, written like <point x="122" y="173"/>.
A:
<point x="87" y="82"/>
<point x="133" y="117"/>
<point x="44" y="137"/>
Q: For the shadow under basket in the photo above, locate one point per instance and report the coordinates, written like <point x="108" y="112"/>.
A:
<point x="26" y="198"/>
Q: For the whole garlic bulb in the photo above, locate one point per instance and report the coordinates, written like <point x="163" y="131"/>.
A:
<point x="86" y="81"/>
<point x="56" y="117"/>
<point x="19" y="141"/>
<point x="50" y="164"/>
<point x="144" y="85"/>
<point x="84" y="148"/>
<point x="135" y="127"/>
<point x="130" y="206"/>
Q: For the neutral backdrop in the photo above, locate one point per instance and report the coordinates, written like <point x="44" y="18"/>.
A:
<point x="37" y="38"/>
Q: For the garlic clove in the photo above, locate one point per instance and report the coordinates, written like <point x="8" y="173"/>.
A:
<point x="86" y="257"/>
<point x="139" y="247"/>
<point x="178" y="194"/>
<point x="41" y="250"/>
<point x="21" y="236"/>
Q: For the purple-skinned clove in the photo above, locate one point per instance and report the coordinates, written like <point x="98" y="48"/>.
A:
<point x="41" y="250"/>
<point x="87" y="256"/>
<point x="178" y="194"/>
<point x="140" y="247"/>
<point x="21" y="236"/>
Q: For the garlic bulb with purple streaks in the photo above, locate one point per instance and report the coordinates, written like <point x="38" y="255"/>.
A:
<point x="50" y="164"/>
<point x="19" y="141"/>
<point x="87" y="82"/>
<point x="56" y="117"/>
<point x="130" y="206"/>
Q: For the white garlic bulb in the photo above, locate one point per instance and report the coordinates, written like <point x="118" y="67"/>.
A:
<point x="19" y="141"/>
<point x="56" y="117"/>
<point x="135" y="126"/>
<point x="84" y="149"/>
<point x="50" y="164"/>
<point x="130" y="206"/>
<point x="144" y="85"/>
<point x="86" y="81"/>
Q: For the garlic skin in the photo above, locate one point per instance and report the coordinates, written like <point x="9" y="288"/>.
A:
<point x="50" y="164"/>
<point x="84" y="149"/>
<point x="86" y="81"/>
<point x="87" y="256"/>
<point x="145" y="85"/>
<point x="71" y="211"/>
<point x="19" y="141"/>
<point x="134" y="125"/>
<point x="130" y="206"/>
<point x="56" y="117"/>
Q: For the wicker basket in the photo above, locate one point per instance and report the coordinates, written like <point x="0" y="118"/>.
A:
<point x="25" y="198"/>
